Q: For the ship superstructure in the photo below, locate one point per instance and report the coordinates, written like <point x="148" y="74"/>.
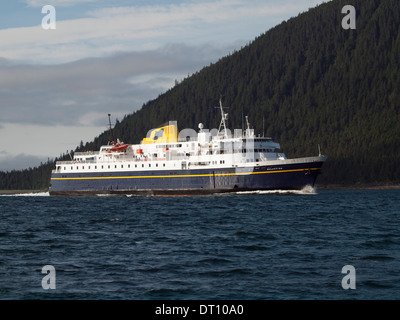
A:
<point x="168" y="162"/>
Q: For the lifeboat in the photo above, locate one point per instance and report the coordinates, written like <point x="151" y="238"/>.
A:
<point x="119" y="147"/>
<point x="139" y="151"/>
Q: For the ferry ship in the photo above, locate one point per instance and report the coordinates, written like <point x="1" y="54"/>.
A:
<point x="168" y="162"/>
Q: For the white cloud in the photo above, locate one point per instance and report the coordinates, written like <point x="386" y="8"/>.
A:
<point x="114" y="29"/>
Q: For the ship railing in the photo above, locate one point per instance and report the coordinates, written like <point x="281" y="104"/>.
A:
<point x="188" y="139"/>
<point x="86" y="153"/>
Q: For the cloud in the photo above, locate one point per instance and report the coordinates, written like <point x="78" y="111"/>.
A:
<point x="24" y="145"/>
<point x="77" y="93"/>
<point x="10" y="162"/>
<point x="58" y="85"/>
<point x="60" y="3"/>
<point x="134" y="28"/>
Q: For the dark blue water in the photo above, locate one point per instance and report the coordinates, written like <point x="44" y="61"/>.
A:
<point x="247" y="246"/>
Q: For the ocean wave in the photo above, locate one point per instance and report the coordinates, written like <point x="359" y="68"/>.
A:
<point x="26" y="194"/>
<point x="307" y="190"/>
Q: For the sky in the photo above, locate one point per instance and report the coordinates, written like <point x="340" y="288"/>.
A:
<point x="58" y="85"/>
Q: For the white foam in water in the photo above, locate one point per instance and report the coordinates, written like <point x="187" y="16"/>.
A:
<point x="307" y="190"/>
<point x="31" y="194"/>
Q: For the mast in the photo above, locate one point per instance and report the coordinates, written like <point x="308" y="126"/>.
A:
<point x="109" y="121"/>
<point x="224" y="116"/>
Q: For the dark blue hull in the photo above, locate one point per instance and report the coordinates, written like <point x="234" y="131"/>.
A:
<point x="191" y="181"/>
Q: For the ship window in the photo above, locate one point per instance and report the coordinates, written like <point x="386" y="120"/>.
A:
<point x="135" y="165"/>
<point x="65" y="168"/>
<point x="115" y="166"/>
<point x="122" y="166"/>
<point x="95" y="167"/>
<point x="77" y="168"/>
<point x="129" y="165"/>
<point x="149" y="165"/>
<point x="142" y="165"/>
<point x="83" y="167"/>
<point x="108" y="166"/>
<point x="163" y="164"/>
<point x="89" y="167"/>
<point x="102" y="167"/>
<point x="156" y="164"/>
<point x="72" y="168"/>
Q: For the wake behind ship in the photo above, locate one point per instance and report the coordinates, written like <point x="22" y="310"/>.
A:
<point x="170" y="163"/>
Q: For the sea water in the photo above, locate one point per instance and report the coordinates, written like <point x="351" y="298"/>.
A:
<point x="249" y="245"/>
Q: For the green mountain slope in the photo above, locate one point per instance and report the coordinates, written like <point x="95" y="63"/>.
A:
<point x="307" y="81"/>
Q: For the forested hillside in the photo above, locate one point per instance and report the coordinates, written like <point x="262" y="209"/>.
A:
<point x="310" y="82"/>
